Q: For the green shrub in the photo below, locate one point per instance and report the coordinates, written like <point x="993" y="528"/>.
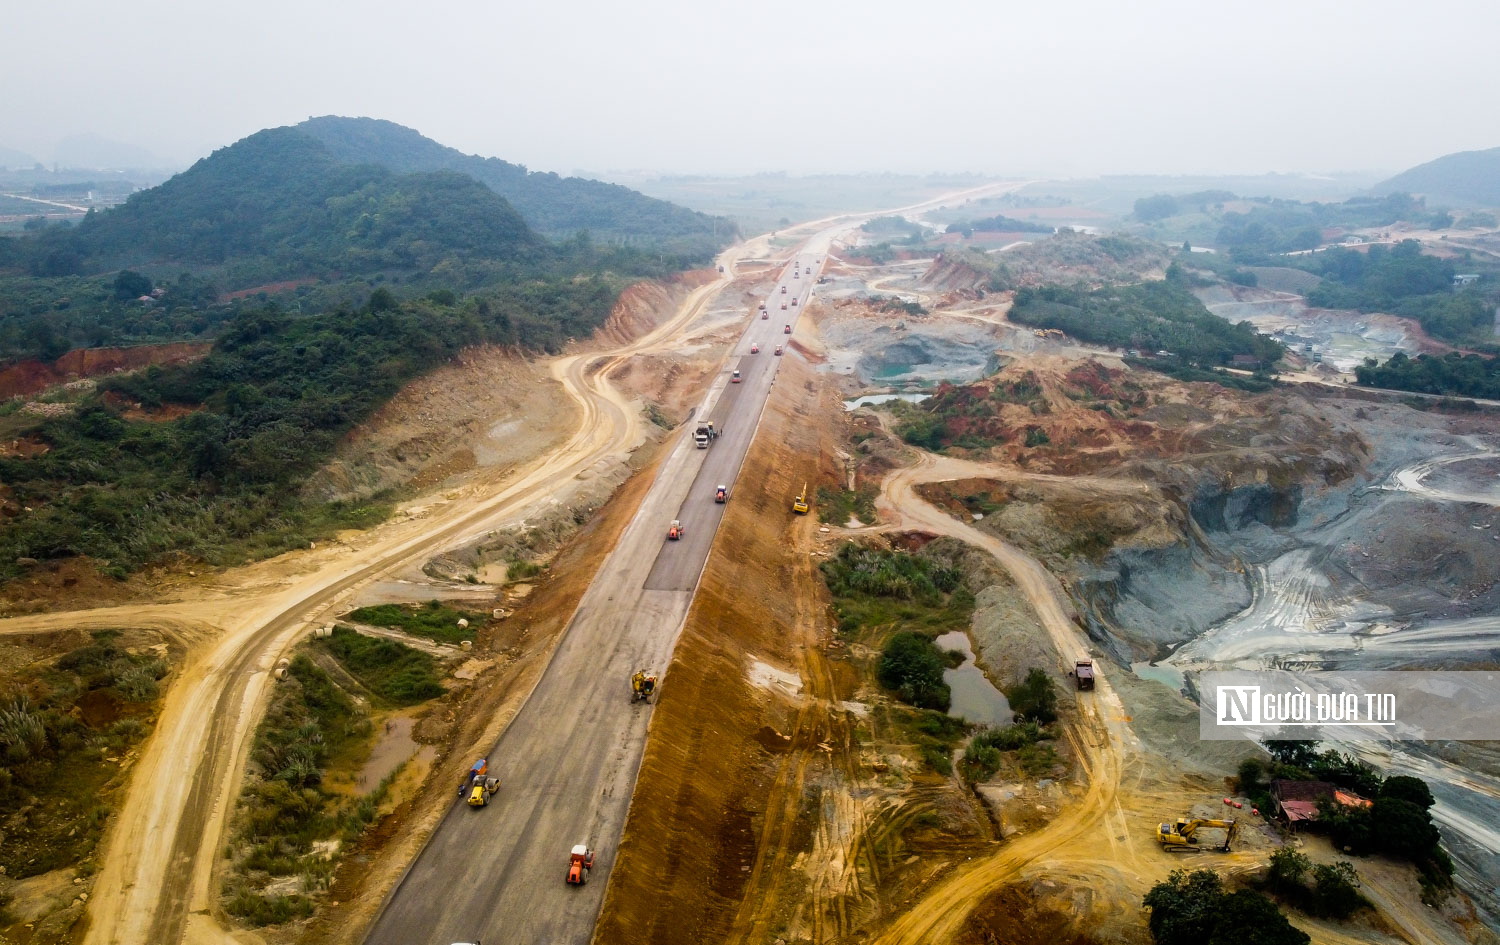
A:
<point x="1035" y="698"/>
<point x="912" y="665"/>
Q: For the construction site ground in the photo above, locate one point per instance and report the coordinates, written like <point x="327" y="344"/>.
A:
<point x="777" y="801"/>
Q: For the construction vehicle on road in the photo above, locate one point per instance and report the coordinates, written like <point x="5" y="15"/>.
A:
<point x="674" y="531"/>
<point x="705" y="434"/>
<point x="481" y="791"/>
<point x="580" y="861"/>
<point x="1183" y="835"/>
<point x="799" y="504"/>
<point x="642" y="686"/>
<point x="476" y="772"/>
<point x="1083" y="674"/>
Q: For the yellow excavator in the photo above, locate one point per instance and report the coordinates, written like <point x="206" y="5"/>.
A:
<point x="1183" y="835"/>
<point x="799" y="504"/>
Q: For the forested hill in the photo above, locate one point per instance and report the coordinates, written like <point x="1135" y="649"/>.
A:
<point x="1467" y="178"/>
<point x="277" y="205"/>
<point x="557" y="206"/>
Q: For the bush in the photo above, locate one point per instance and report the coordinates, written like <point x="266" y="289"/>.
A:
<point x="912" y="665"/>
<point x="1194" y="909"/>
<point x="984" y="754"/>
<point x="1034" y="699"/>
<point x="1288" y="867"/>
<point x="1335" y="892"/>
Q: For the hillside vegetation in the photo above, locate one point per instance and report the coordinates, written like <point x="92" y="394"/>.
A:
<point x="1149" y="316"/>
<point x="557" y="206"/>
<point x="281" y="211"/>
<point x="1403" y="281"/>
<point x="221" y="481"/>
<point x="1466" y="178"/>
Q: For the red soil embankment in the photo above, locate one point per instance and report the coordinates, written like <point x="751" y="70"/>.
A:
<point x="28" y="377"/>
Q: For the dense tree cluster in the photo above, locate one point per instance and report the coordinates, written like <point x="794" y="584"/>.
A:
<point x="266" y="407"/>
<point x="1149" y="316"/>
<point x="1464" y="375"/>
<point x="1196" y="909"/>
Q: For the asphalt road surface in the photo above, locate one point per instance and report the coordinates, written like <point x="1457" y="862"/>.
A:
<point x="568" y="761"/>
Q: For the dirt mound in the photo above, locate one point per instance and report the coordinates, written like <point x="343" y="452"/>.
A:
<point x="954" y="272"/>
<point x="1044" y="915"/>
<point x="28" y="377"/>
<point x="642" y="305"/>
<point x="488" y="409"/>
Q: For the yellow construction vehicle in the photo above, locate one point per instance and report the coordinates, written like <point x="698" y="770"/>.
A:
<point x="642" y="685"/>
<point x="799" y="504"/>
<point x="1183" y="835"/>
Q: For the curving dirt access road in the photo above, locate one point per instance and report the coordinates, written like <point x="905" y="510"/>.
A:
<point x="155" y="885"/>
<point x="1100" y="735"/>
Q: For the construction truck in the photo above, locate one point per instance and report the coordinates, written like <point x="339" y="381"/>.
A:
<point x="1183" y="835"/>
<point x="642" y="686"/>
<point x="482" y="790"/>
<point x="580" y="861"/>
<point x="799" y="504"/>
<point x="705" y="434"/>
<point x="476" y="772"/>
<point x="1083" y="674"/>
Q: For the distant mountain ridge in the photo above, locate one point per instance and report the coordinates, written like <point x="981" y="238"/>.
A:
<point x="557" y="206"/>
<point x="1465" y="178"/>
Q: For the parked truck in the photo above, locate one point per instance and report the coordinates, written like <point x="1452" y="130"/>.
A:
<point x="1083" y="672"/>
<point x="705" y="434"/>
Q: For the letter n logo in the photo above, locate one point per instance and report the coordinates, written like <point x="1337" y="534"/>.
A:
<point x="1239" y="705"/>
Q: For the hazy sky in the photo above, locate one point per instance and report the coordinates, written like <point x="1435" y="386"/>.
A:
<point x="1040" y="87"/>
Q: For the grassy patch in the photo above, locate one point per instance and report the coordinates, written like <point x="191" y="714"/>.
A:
<point x="393" y="671"/>
<point x="986" y="750"/>
<point x="288" y="824"/>
<point x="875" y="588"/>
<point x="57" y="728"/>
<point x="432" y="620"/>
<point x="934" y="734"/>
<point x="838" y="506"/>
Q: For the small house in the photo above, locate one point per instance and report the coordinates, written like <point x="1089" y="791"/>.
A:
<point x="1296" y="802"/>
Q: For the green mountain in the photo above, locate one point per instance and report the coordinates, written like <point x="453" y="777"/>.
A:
<point x="557" y="206"/>
<point x="1465" y="179"/>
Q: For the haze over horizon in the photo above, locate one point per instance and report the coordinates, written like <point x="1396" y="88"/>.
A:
<point x="1076" y="88"/>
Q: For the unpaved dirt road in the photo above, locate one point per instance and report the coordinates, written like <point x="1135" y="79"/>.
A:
<point x="156" y="882"/>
